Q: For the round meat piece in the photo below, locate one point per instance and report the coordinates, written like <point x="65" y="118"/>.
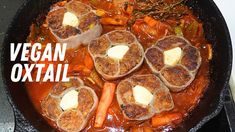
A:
<point x="175" y="61"/>
<point x="132" y="59"/>
<point x="155" y="59"/>
<point x="70" y="104"/>
<point x="142" y="96"/>
<point x="99" y="46"/>
<point x="116" y="54"/>
<point x="71" y="121"/>
<point x="73" y="23"/>
<point x="58" y="90"/>
<point x="136" y="112"/>
<point x="50" y="107"/>
<point x="162" y="100"/>
<point x="191" y="58"/>
<point x="87" y="100"/>
<point x="106" y="65"/>
<point x="176" y="76"/>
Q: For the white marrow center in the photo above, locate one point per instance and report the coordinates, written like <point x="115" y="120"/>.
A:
<point x="142" y="95"/>
<point x="117" y="52"/>
<point x="70" y="19"/>
<point x="172" y="56"/>
<point x="69" y="100"/>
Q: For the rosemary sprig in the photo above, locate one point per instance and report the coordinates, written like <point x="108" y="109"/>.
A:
<point x="159" y="9"/>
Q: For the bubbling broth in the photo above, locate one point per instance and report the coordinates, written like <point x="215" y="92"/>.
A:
<point x="149" y="21"/>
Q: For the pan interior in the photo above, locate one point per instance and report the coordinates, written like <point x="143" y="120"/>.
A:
<point x="216" y="33"/>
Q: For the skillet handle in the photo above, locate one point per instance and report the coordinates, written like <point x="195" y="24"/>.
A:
<point x="229" y="107"/>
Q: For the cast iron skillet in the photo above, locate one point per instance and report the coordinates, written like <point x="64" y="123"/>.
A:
<point x="210" y="105"/>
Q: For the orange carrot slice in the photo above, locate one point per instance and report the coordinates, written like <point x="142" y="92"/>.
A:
<point x="105" y="101"/>
<point x="88" y="61"/>
<point x="150" y="21"/>
<point x="162" y="120"/>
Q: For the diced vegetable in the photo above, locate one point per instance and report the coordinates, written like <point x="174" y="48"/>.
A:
<point x="88" y="62"/>
<point x="91" y="25"/>
<point x="80" y="62"/>
<point x="147" y="129"/>
<point x="94" y="1"/>
<point x="150" y="21"/>
<point x="105" y="101"/>
<point x="100" y="12"/>
<point x="178" y="31"/>
<point x="141" y="129"/>
<point x="67" y="84"/>
<point x="129" y="9"/>
<point x="136" y="25"/>
<point x="165" y="119"/>
<point x="193" y="28"/>
<point x="79" y="68"/>
<point x="210" y="51"/>
<point x="96" y="78"/>
<point x="91" y="80"/>
<point x="159" y="30"/>
<point x="61" y="3"/>
<point x="116" y="20"/>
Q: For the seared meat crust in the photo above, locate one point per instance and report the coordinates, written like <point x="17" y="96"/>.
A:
<point x="74" y="119"/>
<point x="109" y="68"/>
<point x="179" y="76"/>
<point x="162" y="100"/>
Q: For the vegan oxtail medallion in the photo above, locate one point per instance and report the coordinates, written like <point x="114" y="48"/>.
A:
<point x="175" y="60"/>
<point x="73" y="23"/>
<point x="131" y="68"/>
<point x="116" y="54"/>
<point x="142" y="96"/>
<point x="70" y="104"/>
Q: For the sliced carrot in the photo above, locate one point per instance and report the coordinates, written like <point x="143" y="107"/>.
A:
<point x="100" y="12"/>
<point x="115" y="20"/>
<point x="210" y="51"/>
<point x="62" y="3"/>
<point x="105" y="101"/>
<point x="129" y="9"/>
<point x="96" y="78"/>
<point x="165" y="119"/>
<point x="147" y="129"/>
<point x="88" y="62"/>
<point x="150" y="21"/>
<point x="79" y="68"/>
<point x="86" y="71"/>
<point x="136" y="26"/>
<point x="141" y="129"/>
